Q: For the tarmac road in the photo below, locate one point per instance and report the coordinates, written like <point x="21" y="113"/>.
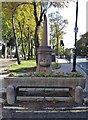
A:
<point x="84" y="66"/>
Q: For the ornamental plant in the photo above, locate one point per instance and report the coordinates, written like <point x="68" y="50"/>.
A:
<point x="45" y="74"/>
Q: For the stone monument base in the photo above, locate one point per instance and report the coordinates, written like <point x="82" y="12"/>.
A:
<point x="44" y="59"/>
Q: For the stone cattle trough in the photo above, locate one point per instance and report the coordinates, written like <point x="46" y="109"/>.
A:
<point x="75" y="86"/>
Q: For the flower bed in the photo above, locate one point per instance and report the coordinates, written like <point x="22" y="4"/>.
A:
<point x="45" y="74"/>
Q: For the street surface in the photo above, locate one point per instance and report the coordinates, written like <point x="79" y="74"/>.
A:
<point x="84" y="66"/>
<point x="6" y="62"/>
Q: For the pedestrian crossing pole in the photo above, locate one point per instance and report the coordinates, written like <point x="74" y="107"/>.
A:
<point x="76" y="31"/>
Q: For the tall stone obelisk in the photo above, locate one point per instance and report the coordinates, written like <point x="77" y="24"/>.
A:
<point x="44" y="35"/>
<point x="44" y="52"/>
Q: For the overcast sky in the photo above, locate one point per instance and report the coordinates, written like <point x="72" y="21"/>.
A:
<point x="70" y="14"/>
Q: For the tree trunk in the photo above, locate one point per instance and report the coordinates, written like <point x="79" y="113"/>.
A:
<point x="5" y="54"/>
<point x="23" y="50"/>
<point x="15" y="38"/>
<point x="10" y="51"/>
<point x="28" y="45"/>
<point x="28" y="49"/>
<point x="36" y="44"/>
<point x="31" y="48"/>
<point x="57" y="46"/>
<point x="38" y="22"/>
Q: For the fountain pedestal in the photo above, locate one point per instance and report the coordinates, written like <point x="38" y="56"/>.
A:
<point x="44" y="59"/>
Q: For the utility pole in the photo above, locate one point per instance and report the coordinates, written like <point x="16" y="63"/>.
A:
<point x="75" y="30"/>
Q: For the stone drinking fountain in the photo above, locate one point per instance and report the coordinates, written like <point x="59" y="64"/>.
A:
<point x="75" y="85"/>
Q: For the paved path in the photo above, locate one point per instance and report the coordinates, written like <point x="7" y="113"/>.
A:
<point x="4" y="63"/>
<point x="67" y="67"/>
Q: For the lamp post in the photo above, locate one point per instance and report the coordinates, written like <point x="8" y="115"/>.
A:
<point x="45" y="5"/>
<point x="75" y="30"/>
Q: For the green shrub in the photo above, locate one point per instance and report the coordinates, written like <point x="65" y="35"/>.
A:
<point x="12" y="74"/>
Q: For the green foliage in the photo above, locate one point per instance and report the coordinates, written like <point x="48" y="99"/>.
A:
<point x="69" y="51"/>
<point x="57" y="25"/>
<point x="45" y="74"/>
<point x="24" y="13"/>
<point x="21" y="14"/>
<point x="81" y="45"/>
<point x="55" y="65"/>
<point x="12" y="74"/>
<point x="6" y="27"/>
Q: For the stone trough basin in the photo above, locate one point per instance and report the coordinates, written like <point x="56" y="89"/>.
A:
<point x="75" y="85"/>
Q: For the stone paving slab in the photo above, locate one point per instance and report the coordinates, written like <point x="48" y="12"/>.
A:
<point x="45" y="109"/>
<point x="44" y="115"/>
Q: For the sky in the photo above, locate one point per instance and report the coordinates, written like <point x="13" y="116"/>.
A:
<point x="70" y="14"/>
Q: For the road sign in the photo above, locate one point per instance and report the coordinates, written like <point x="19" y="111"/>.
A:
<point x="76" y="29"/>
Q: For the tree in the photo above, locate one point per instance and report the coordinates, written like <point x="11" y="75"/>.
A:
<point x="10" y="46"/>
<point x="57" y="25"/>
<point x="38" y="20"/>
<point x="22" y="41"/>
<point x="6" y="31"/>
<point x="25" y="27"/>
<point x="13" y="10"/>
<point x="16" y="12"/>
<point x="81" y="45"/>
<point x="9" y="9"/>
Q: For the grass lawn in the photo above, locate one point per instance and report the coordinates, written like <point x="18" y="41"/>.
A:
<point x="27" y="65"/>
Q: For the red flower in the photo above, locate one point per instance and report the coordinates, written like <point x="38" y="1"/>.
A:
<point x="45" y="71"/>
<point x="51" y="72"/>
<point x="57" y="72"/>
<point x="62" y="72"/>
<point x="32" y="73"/>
